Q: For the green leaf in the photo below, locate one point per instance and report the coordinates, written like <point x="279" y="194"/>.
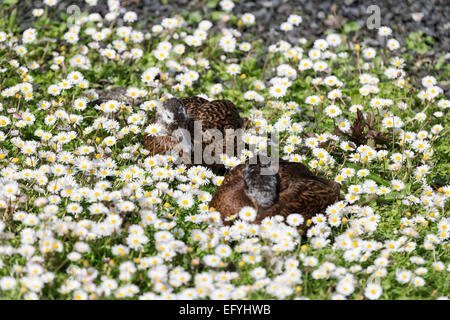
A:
<point x="10" y="2"/>
<point x="440" y="63"/>
<point x="12" y="20"/>
<point x="351" y="27"/>
<point x="212" y="4"/>
<point x="378" y="179"/>
<point x="216" y="15"/>
<point x="392" y="196"/>
<point x="195" y="17"/>
<point x="419" y="42"/>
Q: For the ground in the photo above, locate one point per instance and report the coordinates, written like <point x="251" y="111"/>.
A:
<point x="87" y="213"/>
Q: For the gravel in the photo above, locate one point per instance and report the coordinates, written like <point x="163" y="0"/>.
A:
<point x="319" y="16"/>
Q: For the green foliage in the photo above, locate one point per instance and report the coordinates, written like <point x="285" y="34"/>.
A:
<point x="257" y="64"/>
<point x="352" y="26"/>
<point x="419" y="42"/>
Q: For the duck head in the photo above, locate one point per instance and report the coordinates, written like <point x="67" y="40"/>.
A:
<point x="171" y="115"/>
<point x="261" y="187"/>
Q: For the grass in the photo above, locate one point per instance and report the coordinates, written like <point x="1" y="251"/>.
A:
<point x="399" y="229"/>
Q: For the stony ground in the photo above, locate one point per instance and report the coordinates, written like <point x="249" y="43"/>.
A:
<point x="87" y="213"/>
<point x="427" y="21"/>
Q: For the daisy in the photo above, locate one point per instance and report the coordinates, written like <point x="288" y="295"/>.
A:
<point x="233" y="69"/>
<point x="247" y="214"/>
<point x="384" y="31"/>
<point x="369" y="53"/>
<point x="333" y="111"/>
<point x="313" y="100"/>
<point x="216" y="89"/>
<point x="373" y="291"/>
<point x="295" y="19"/>
<point x="334" y="40"/>
<point x="277" y="91"/>
<point x="393" y="44"/>
<point x="185" y="201"/>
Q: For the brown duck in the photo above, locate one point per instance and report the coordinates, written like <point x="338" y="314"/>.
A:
<point x="117" y="93"/>
<point x="293" y="189"/>
<point x="181" y="113"/>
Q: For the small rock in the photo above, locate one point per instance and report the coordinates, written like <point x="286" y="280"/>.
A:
<point x="417" y="16"/>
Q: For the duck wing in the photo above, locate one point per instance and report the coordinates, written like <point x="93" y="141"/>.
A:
<point x="191" y="103"/>
<point x="293" y="170"/>
<point x="300" y="192"/>
<point x="221" y="115"/>
<point x="159" y="144"/>
<point x="230" y="197"/>
<point x="306" y="196"/>
<point x="217" y="114"/>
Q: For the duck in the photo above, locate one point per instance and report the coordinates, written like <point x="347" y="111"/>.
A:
<point x="182" y="113"/>
<point x="117" y="93"/>
<point x="257" y="183"/>
<point x="171" y="116"/>
<point x="102" y="97"/>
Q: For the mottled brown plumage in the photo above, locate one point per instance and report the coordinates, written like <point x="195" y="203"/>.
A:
<point x="118" y="94"/>
<point x="218" y="114"/>
<point x="223" y="116"/>
<point x="159" y="145"/>
<point x="171" y="116"/>
<point x="190" y="103"/>
<point x="294" y="189"/>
